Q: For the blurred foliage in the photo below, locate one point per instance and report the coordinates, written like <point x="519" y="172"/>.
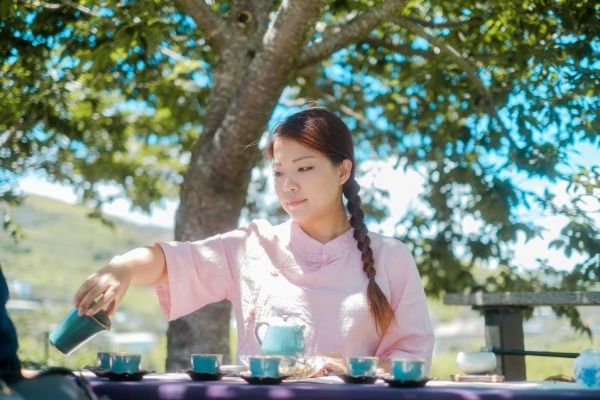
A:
<point x="477" y="96"/>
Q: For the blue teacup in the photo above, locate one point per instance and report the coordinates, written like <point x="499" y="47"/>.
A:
<point x="206" y="363"/>
<point x="76" y="330"/>
<point x="124" y="363"/>
<point x="103" y="360"/>
<point x="408" y="369"/>
<point x="264" y="366"/>
<point x="362" y="366"/>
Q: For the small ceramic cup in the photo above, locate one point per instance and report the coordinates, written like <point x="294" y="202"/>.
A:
<point x="476" y="362"/>
<point x="125" y="363"/>
<point x="206" y="363"/>
<point x="362" y="366"/>
<point x="76" y="330"/>
<point x="264" y="366"/>
<point x="408" y="369"/>
<point x="103" y="360"/>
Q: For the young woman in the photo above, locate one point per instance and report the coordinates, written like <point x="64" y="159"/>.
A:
<point x="357" y="293"/>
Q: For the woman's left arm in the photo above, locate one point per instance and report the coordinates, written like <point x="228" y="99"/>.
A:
<point x="410" y="335"/>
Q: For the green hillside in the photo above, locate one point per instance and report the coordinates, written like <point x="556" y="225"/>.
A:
<point x="61" y="248"/>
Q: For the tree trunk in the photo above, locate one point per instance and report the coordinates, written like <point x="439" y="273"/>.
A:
<point x="249" y="77"/>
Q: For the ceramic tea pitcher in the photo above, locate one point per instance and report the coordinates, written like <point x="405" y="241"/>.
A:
<point x="282" y="338"/>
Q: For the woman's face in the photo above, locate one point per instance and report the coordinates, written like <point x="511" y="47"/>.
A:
<point x="308" y="185"/>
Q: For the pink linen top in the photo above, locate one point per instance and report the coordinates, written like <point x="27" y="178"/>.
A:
<point x="269" y="271"/>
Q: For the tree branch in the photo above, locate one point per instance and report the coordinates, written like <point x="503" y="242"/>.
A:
<point x="81" y="8"/>
<point x="291" y="24"/>
<point x="464" y="65"/>
<point x="355" y="114"/>
<point x="342" y="35"/>
<point x="66" y="3"/>
<point x="446" y="24"/>
<point x="211" y="25"/>
<point x="399" y="48"/>
<point x="449" y="51"/>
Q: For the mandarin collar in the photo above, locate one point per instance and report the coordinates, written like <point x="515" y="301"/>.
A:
<point x="314" y="253"/>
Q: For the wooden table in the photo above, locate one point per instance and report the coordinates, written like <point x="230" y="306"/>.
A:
<point x="503" y="313"/>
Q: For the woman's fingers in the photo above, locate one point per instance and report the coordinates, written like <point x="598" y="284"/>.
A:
<point x="111" y="308"/>
<point x="92" y="298"/>
<point x="335" y="365"/>
<point x="101" y="290"/>
<point x="106" y="299"/>
<point x="84" y="289"/>
<point x="110" y="295"/>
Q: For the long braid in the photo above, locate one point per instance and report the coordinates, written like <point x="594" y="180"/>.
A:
<point x="379" y="307"/>
<point x="321" y="130"/>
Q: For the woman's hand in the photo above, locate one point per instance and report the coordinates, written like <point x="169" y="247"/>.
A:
<point x="106" y="288"/>
<point x="103" y="290"/>
<point x="331" y="366"/>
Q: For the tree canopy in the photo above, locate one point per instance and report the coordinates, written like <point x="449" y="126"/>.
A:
<point x="171" y="98"/>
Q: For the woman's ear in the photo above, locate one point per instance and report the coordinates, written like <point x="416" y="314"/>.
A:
<point x="345" y="171"/>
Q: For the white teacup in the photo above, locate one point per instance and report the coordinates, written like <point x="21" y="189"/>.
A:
<point x="476" y="362"/>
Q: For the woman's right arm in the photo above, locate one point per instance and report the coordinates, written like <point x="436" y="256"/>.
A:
<point x="106" y="288"/>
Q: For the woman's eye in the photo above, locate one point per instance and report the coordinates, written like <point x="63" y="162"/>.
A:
<point x="304" y="169"/>
<point x="277" y="174"/>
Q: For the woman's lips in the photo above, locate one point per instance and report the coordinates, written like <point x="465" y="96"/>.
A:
<point x="295" y="203"/>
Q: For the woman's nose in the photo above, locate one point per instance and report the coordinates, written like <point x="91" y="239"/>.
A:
<point x="289" y="185"/>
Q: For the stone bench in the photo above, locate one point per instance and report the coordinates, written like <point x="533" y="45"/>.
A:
<point x="503" y="313"/>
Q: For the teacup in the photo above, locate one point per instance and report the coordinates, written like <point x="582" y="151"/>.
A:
<point x="103" y="360"/>
<point x="125" y="363"/>
<point x="206" y="363"/>
<point x="362" y="366"/>
<point x="264" y="366"/>
<point x="408" y="369"/>
<point x="76" y="330"/>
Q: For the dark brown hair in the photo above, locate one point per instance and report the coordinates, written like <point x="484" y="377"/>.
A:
<point x="321" y="130"/>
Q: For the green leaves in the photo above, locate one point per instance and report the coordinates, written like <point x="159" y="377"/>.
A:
<point x="89" y="97"/>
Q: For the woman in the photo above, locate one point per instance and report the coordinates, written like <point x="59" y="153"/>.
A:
<point x="357" y="293"/>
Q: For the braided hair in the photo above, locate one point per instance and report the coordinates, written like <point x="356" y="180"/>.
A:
<point x="320" y="130"/>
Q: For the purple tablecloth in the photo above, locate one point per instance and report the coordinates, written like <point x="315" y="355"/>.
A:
<point x="155" y="389"/>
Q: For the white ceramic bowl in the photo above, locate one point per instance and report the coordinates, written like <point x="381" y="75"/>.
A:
<point x="477" y="362"/>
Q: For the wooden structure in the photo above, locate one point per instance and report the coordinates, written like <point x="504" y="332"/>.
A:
<point x="503" y="313"/>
